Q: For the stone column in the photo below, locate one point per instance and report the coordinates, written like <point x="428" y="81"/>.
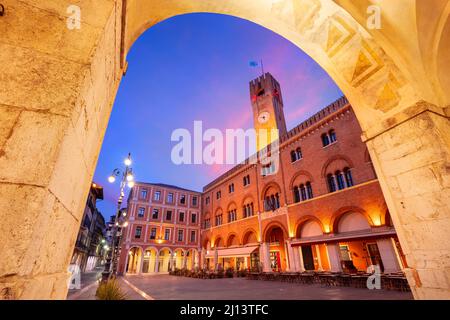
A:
<point x="54" y="104"/>
<point x="388" y="255"/>
<point x="184" y="263"/>
<point x="299" y="257"/>
<point x="265" y="256"/>
<point x="334" y="255"/>
<point x="171" y="262"/>
<point x="141" y="263"/>
<point x="156" y="269"/>
<point x="203" y="258"/>
<point x="216" y="259"/>
<point x="411" y="155"/>
<point x="319" y="258"/>
<point x="291" y="260"/>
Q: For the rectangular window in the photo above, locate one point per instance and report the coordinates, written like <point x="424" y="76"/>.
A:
<point x="168" y="215"/>
<point x="180" y="235"/>
<point x="144" y="193"/>
<point x="167" y="234"/>
<point x="141" y="212"/>
<point x="231" y="188"/>
<point x="192" y="236"/>
<point x="181" y="217"/>
<point x="155" y="214"/>
<point x="157" y="196"/>
<point x="207" y="200"/>
<point x="170" y="198"/>
<point x="246" y="180"/>
<point x="194" y="218"/>
<point x="153" y="234"/>
<point x="138" y="232"/>
<point x="183" y="199"/>
<point x="218" y="195"/>
<point x="194" y="201"/>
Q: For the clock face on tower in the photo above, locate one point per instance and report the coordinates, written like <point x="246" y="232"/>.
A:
<point x="263" y="117"/>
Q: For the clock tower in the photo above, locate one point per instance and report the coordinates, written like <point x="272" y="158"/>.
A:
<point x="267" y="106"/>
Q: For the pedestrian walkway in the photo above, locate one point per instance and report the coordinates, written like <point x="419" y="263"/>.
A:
<point x="88" y="292"/>
<point x="167" y="287"/>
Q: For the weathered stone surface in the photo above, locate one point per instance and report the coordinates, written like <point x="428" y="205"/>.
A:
<point x="27" y="156"/>
<point x="30" y="26"/>
<point x="36" y="81"/>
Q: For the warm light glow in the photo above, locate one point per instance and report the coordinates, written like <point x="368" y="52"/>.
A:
<point x="111" y="179"/>
<point x="376" y="220"/>
<point x="127" y="162"/>
<point x="326" y="228"/>
<point x="124" y="214"/>
<point x="130" y="177"/>
<point x="125" y="224"/>
<point x="105" y="247"/>
<point x="117" y="224"/>
<point x="130" y="184"/>
<point x="160" y="241"/>
<point x="130" y="253"/>
<point x="103" y="240"/>
<point x="94" y="185"/>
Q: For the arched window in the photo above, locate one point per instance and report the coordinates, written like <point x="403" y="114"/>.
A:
<point x="298" y="152"/>
<point x="277" y="200"/>
<point x="331" y="183"/>
<point x="340" y="180"/>
<point x="325" y="140"/>
<point x="332" y="135"/>
<point x="309" y="190"/>
<point x="293" y="156"/>
<point x="303" y="192"/>
<point x="348" y="177"/>
<point x="296" y="194"/>
<point x="267" y="205"/>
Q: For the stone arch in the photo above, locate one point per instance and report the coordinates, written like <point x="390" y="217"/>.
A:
<point x="232" y="239"/>
<point x="268" y="186"/>
<point x="248" y="198"/>
<point x="339" y="214"/>
<point x="321" y="28"/>
<point x="248" y="235"/>
<point x="231" y="205"/>
<point x="150" y="259"/>
<point x="298" y="174"/>
<point x="134" y="258"/>
<point x="218" y="242"/>
<point x="340" y="161"/>
<point x="205" y="243"/>
<point x="304" y="220"/>
<point x="271" y="226"/>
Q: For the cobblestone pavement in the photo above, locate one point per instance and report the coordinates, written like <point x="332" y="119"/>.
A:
<point x="168" y="287"/>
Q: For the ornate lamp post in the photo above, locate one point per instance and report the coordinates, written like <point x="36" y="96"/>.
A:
<point x="120" y="219"/>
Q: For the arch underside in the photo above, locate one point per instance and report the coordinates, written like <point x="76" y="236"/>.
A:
<point x="322" y="29"/>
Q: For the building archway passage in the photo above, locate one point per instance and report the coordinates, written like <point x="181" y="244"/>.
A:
<point x="398" y="85"/>
<point x="354" y="246"/>
<point x="135" y="259"/>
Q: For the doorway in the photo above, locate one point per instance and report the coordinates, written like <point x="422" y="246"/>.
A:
<point x="308" y="258"/>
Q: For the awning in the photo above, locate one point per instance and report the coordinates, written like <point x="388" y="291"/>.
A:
<point x="373" y="233"/>
<point x="233" y="252"/>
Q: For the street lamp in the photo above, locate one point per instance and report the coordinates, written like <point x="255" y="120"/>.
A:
<point x="127" y="180"/>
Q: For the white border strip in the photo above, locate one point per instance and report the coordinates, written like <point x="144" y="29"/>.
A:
<point x="137" y="290"/>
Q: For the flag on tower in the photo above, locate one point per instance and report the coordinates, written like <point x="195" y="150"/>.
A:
<point x="253" y="64"/>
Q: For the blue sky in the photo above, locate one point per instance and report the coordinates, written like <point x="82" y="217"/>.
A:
<point x="196" y="67"/>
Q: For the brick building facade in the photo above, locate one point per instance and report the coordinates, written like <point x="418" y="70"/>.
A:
<point x="163" y="229"/>
<point x="322" y="209"/>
